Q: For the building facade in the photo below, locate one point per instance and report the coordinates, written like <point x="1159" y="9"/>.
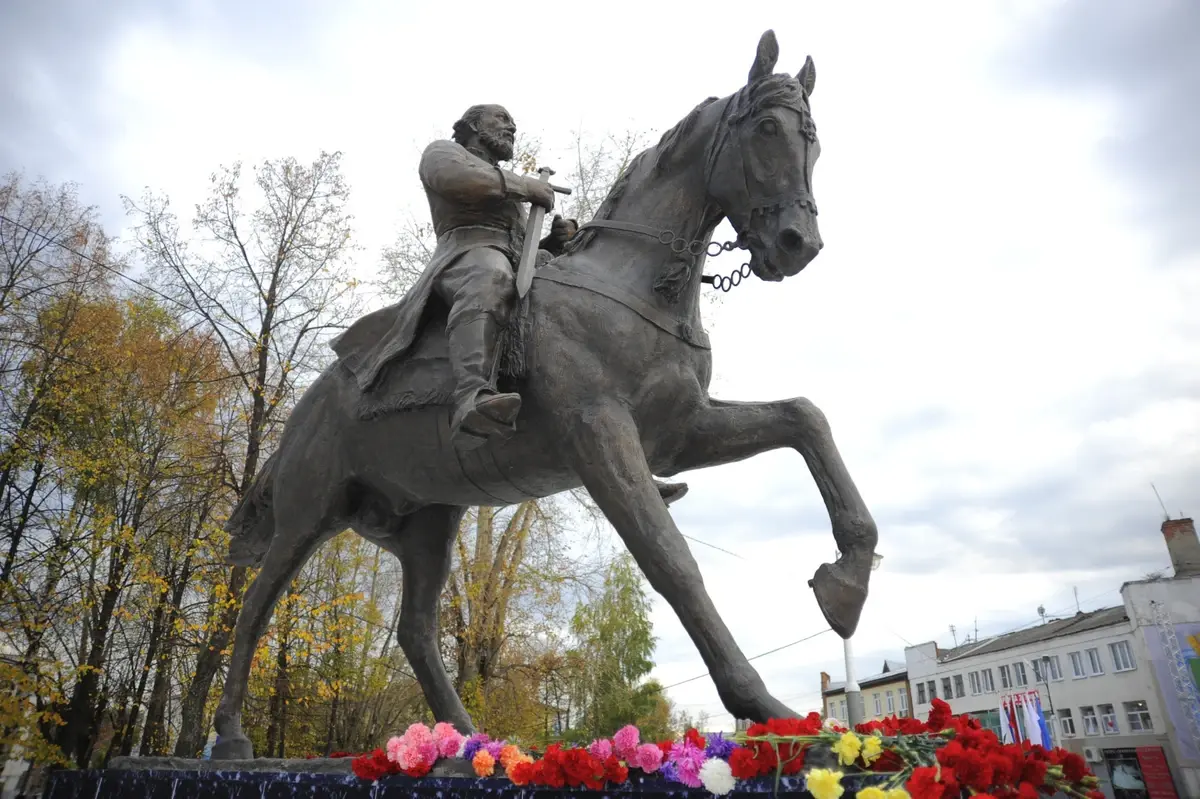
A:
<point x="1119" y="685"/>
<point x="883" y="694"/>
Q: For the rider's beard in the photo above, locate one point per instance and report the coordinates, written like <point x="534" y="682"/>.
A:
<point x="500" y="145"/>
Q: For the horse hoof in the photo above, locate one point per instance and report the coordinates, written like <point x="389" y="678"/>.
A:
<point x="233" y="747"/>
<point x="839" y="596"/>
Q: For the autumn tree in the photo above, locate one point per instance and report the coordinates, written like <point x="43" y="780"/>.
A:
<point x="615" y="642"/>
<point x="268" y="277"/>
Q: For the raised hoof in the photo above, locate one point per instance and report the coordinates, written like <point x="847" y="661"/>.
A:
<point x="839" y="596"/>
<point x="233" y="747"/>
<point x="672" y="492"/>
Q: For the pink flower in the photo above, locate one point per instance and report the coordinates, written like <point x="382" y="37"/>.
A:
<point x="688" y="759"/>
<point x="394" y="744"/>
<point x="647" y="757"/>
<point x="601" y="748"/>
<point x="448" y="739"/>
<point x="415" y="748"/>
<point x="625" y="742"/>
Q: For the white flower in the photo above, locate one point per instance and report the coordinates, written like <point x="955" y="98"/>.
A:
<point x="716" y="776"/>
<point x="832" y="725"/>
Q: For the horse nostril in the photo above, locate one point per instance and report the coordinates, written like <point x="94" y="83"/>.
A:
<point x="791" y="239"/>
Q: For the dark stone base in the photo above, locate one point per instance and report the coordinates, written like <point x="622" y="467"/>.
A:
<point x="176" y="778"/>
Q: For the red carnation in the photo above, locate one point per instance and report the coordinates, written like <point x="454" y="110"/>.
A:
<point x="1026" y="791"/>
<point x="522" y="773"/>
<point x="419" y="770"/>
<point x="582" y="768"/>
<point x="888" y="761"/>
<point x="1074" y="767"/>
<point x="695" y="738"/>
<point x="923" y="784"/>
<point x="1034" y="771"/>
<point x="372" y="766"/>
<point x="744" y="765"/>
<point x="665" y="746"/>
<point x="939" y="717"/>
<point x="614" y="771"/>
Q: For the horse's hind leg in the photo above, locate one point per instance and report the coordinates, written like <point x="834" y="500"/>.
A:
<point x="424" y="543"/>
<point x="299" y="532"/>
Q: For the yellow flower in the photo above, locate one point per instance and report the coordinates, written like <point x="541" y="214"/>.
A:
<point x="872" y="793"/>
<point x="872" y="749"/>
<point x="897" y="793"/>
<point x="847" y="748"/>
<point x="825" y="783"/>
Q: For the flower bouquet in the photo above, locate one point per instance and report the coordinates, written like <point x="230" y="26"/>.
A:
<point x="945" y="757"/>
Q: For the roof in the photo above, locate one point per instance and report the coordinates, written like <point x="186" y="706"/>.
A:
<point x="1079" y="623"/>
<point x="893" y="670"/>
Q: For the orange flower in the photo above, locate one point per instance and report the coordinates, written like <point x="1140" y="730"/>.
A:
<point x="517" y="768"/>
<point x="509" y="754"/>
<point x="483" y="763"/>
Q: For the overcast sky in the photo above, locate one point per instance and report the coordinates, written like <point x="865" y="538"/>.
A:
<point x="1001" y="328"/>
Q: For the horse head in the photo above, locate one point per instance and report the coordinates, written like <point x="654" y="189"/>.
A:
<point x="760" y="164"/>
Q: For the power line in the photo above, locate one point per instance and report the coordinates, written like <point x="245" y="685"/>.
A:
<point x="756" y="657"/>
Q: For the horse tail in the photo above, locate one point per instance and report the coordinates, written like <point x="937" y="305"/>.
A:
<point x="251" y="526"/>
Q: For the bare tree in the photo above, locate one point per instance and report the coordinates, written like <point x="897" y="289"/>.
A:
<point x="271" y="284"/>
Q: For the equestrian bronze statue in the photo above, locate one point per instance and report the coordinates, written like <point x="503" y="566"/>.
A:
<point x="462" y="394"/>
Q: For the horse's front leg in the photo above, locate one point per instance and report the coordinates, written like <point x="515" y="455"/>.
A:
<point x="724" y="432"/>
<point x="606" y="452"/>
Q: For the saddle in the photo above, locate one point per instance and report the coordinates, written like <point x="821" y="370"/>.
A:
<point x="423" y="377"/>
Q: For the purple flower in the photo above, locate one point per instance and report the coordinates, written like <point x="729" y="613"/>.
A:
<point x="473" y="744"/>
<point x="493" y="748"/>
<point x="718" y="746"/>
<point x="669" y="771"/>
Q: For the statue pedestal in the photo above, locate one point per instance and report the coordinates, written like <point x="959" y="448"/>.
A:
<point x="177" y="778"/>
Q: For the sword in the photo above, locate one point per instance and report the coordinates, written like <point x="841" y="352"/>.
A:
<point x="533" y="234"/>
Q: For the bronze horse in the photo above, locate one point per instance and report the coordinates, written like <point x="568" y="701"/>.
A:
<point x="615" y="391"/>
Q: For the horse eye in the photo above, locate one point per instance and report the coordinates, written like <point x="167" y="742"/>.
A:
<point x="768" y="127"/>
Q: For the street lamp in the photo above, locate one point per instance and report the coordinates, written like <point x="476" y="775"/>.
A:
<point x="1050" y="699"/>
<point x="854" y="702"/>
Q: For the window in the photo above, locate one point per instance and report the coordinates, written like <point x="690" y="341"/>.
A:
<point x="1019" y="671"/>
<point x="1037" y="670"/>
<point x="843" y="717"/>
<point x="1122" y="656"/>
<point x="989" y="683"/>
<point x="958" y="686"/>
<point x="1091" y="725"/>
<point x="1005" y="678"/>
<point x="976" y="685"/>
<point x="903" y="699"/>
<point x="1068" y="723"/>
<point x="920" y="693"/>
<point x="1077" y="665"/>
<point x="1095" y="665"/>
<point x="878" y="707"/>
<point x="1055" y="668"/>
<point x="947" y="691"/>
<point x="932" y="690"/>
<point x="1108" y="720"/>
<point x="1139" y="717"/>
<point x="891" y="703"/>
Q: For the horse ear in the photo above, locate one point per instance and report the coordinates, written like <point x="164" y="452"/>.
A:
<point x="807" y="75"/>
<point x="764" y="60"/>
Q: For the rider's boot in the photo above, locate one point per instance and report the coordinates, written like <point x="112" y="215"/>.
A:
<point x="480" y="412"/>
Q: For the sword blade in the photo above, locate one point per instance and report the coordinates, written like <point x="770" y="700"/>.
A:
<point x="528" y="262"/>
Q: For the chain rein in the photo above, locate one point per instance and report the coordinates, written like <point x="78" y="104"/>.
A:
<point x="680" y="245"/>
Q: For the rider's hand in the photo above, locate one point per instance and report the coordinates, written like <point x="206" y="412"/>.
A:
<point x="563" y="230"/>
<point x="539" y="193"/>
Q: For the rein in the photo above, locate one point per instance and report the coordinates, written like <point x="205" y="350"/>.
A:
<point x="697" y="247"/>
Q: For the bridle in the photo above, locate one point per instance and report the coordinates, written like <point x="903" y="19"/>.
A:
<point x="734" y="112"/>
